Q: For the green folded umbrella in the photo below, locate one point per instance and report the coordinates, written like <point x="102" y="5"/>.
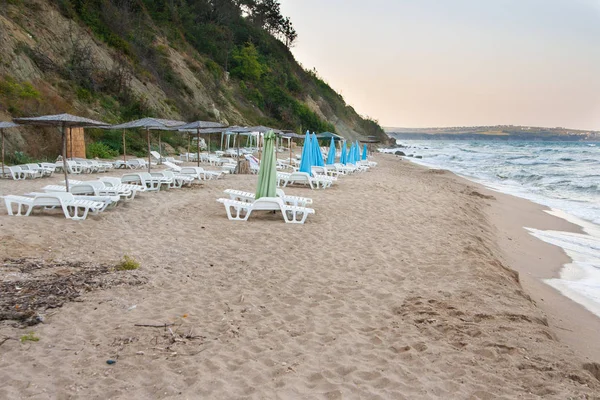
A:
<point x="267" y="174"/>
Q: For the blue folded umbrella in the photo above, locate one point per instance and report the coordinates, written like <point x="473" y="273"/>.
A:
<point x="306" y="162"/>
<point x="343" y="156"/>
<point x="318" y="156"/>
<point x="331" y="154"/>
<point x="364" y="156"/>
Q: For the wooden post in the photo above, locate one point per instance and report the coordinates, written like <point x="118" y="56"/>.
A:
<point x="149" y="155"/>
<point x="64" y="155"/>
<point x="71" y="140"/>
<point x="2" y="132"/>
<point x="124" y="149"/>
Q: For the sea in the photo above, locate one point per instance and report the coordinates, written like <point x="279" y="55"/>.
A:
<point x="564" y="176"/>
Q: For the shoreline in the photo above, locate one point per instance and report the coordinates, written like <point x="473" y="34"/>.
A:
<point x="536" y="260"/>
<point x="395" y="288"/>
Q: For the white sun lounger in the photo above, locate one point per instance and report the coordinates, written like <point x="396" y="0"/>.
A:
<point x="72" y="207"/>
<point x="248" y="197"/>
<point x="196" y="172"/>
<point x="111" y="181"/>
<point x="174" y="181"/>
<point x="102" y="189"/>
<point x="18" y="173"/>
<point x="241" y="210"/>
<point x="151" y="183"/>
<point x="42" y="171"/>
<point x="82" y="192"/>
<point x="299" y="178"/>
<point x="319" y="181"/>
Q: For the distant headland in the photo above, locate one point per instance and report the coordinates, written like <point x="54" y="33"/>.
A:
<point x="498" y="132"/>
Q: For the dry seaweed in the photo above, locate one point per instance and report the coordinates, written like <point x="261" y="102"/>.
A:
<point x="28" y="287"/>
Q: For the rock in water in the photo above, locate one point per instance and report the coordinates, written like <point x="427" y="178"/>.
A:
<point x="399" y="153"/>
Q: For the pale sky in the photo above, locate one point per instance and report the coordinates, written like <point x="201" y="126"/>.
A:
<point x="423" y="63"/>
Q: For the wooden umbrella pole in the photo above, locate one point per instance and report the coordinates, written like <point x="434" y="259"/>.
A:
<point x="71" y="141"/>
<point x="124" y="149"/>
<point x="187" y="157"/>
<point x="64" y="155"/>
<point x="2" y="132"/>
<point x="149" y="155"/>
<point x="198" y="146"/>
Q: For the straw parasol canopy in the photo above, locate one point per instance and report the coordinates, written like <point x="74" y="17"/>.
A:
<point x="201" y="127"/>
<point x="148" y="124"/>
<point x="329" y="135"/>
<point x="5" y="125"/>
<point x="64" y="121"/>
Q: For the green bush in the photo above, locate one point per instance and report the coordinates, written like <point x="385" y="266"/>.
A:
<point x="100" y="150"/>
<point x="247" y="64"/>
<point x="18" y="157"/>
<point x="214" y="69"/>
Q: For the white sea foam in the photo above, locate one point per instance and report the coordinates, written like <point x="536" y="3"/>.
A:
<point x="580" y="279"/>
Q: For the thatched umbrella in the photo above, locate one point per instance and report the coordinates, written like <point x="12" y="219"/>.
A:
<point x="64" y="121"/>
<point x="201" y="127"/>
<point x="147" y="124"/>
<point x="4" y="125"/>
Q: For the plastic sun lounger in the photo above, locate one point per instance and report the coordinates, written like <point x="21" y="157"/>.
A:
<point x="116" y="182"/>
<point x="42" y="171"/>
<point x="315" y="182"/>
<point x="102" y="189"/>
<point x="104" y="201"/>
<point x="299" y="177"/>
<point x="241" y="210"/>
<point x="174" y="181"/>
<point x="81" y="192"/>
<point x="196" y="172"/>
<point x="151" y="183"/>
<point x="202" y="172"/>
<point x="18" y="173"/>
<point x="179" y="178"/>
<point x="73" y="208"/>
<point x="248" y="197"/>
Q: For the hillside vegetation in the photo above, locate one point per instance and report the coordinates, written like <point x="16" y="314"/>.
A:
<point x="117" y="60"/>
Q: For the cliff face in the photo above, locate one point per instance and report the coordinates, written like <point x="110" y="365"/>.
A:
<point x="116" y="60"/>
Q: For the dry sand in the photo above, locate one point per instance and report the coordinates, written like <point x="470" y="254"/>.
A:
<point x="398" y="288"/>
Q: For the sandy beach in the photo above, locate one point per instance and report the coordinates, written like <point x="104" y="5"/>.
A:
<point x="407" y="283"/>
